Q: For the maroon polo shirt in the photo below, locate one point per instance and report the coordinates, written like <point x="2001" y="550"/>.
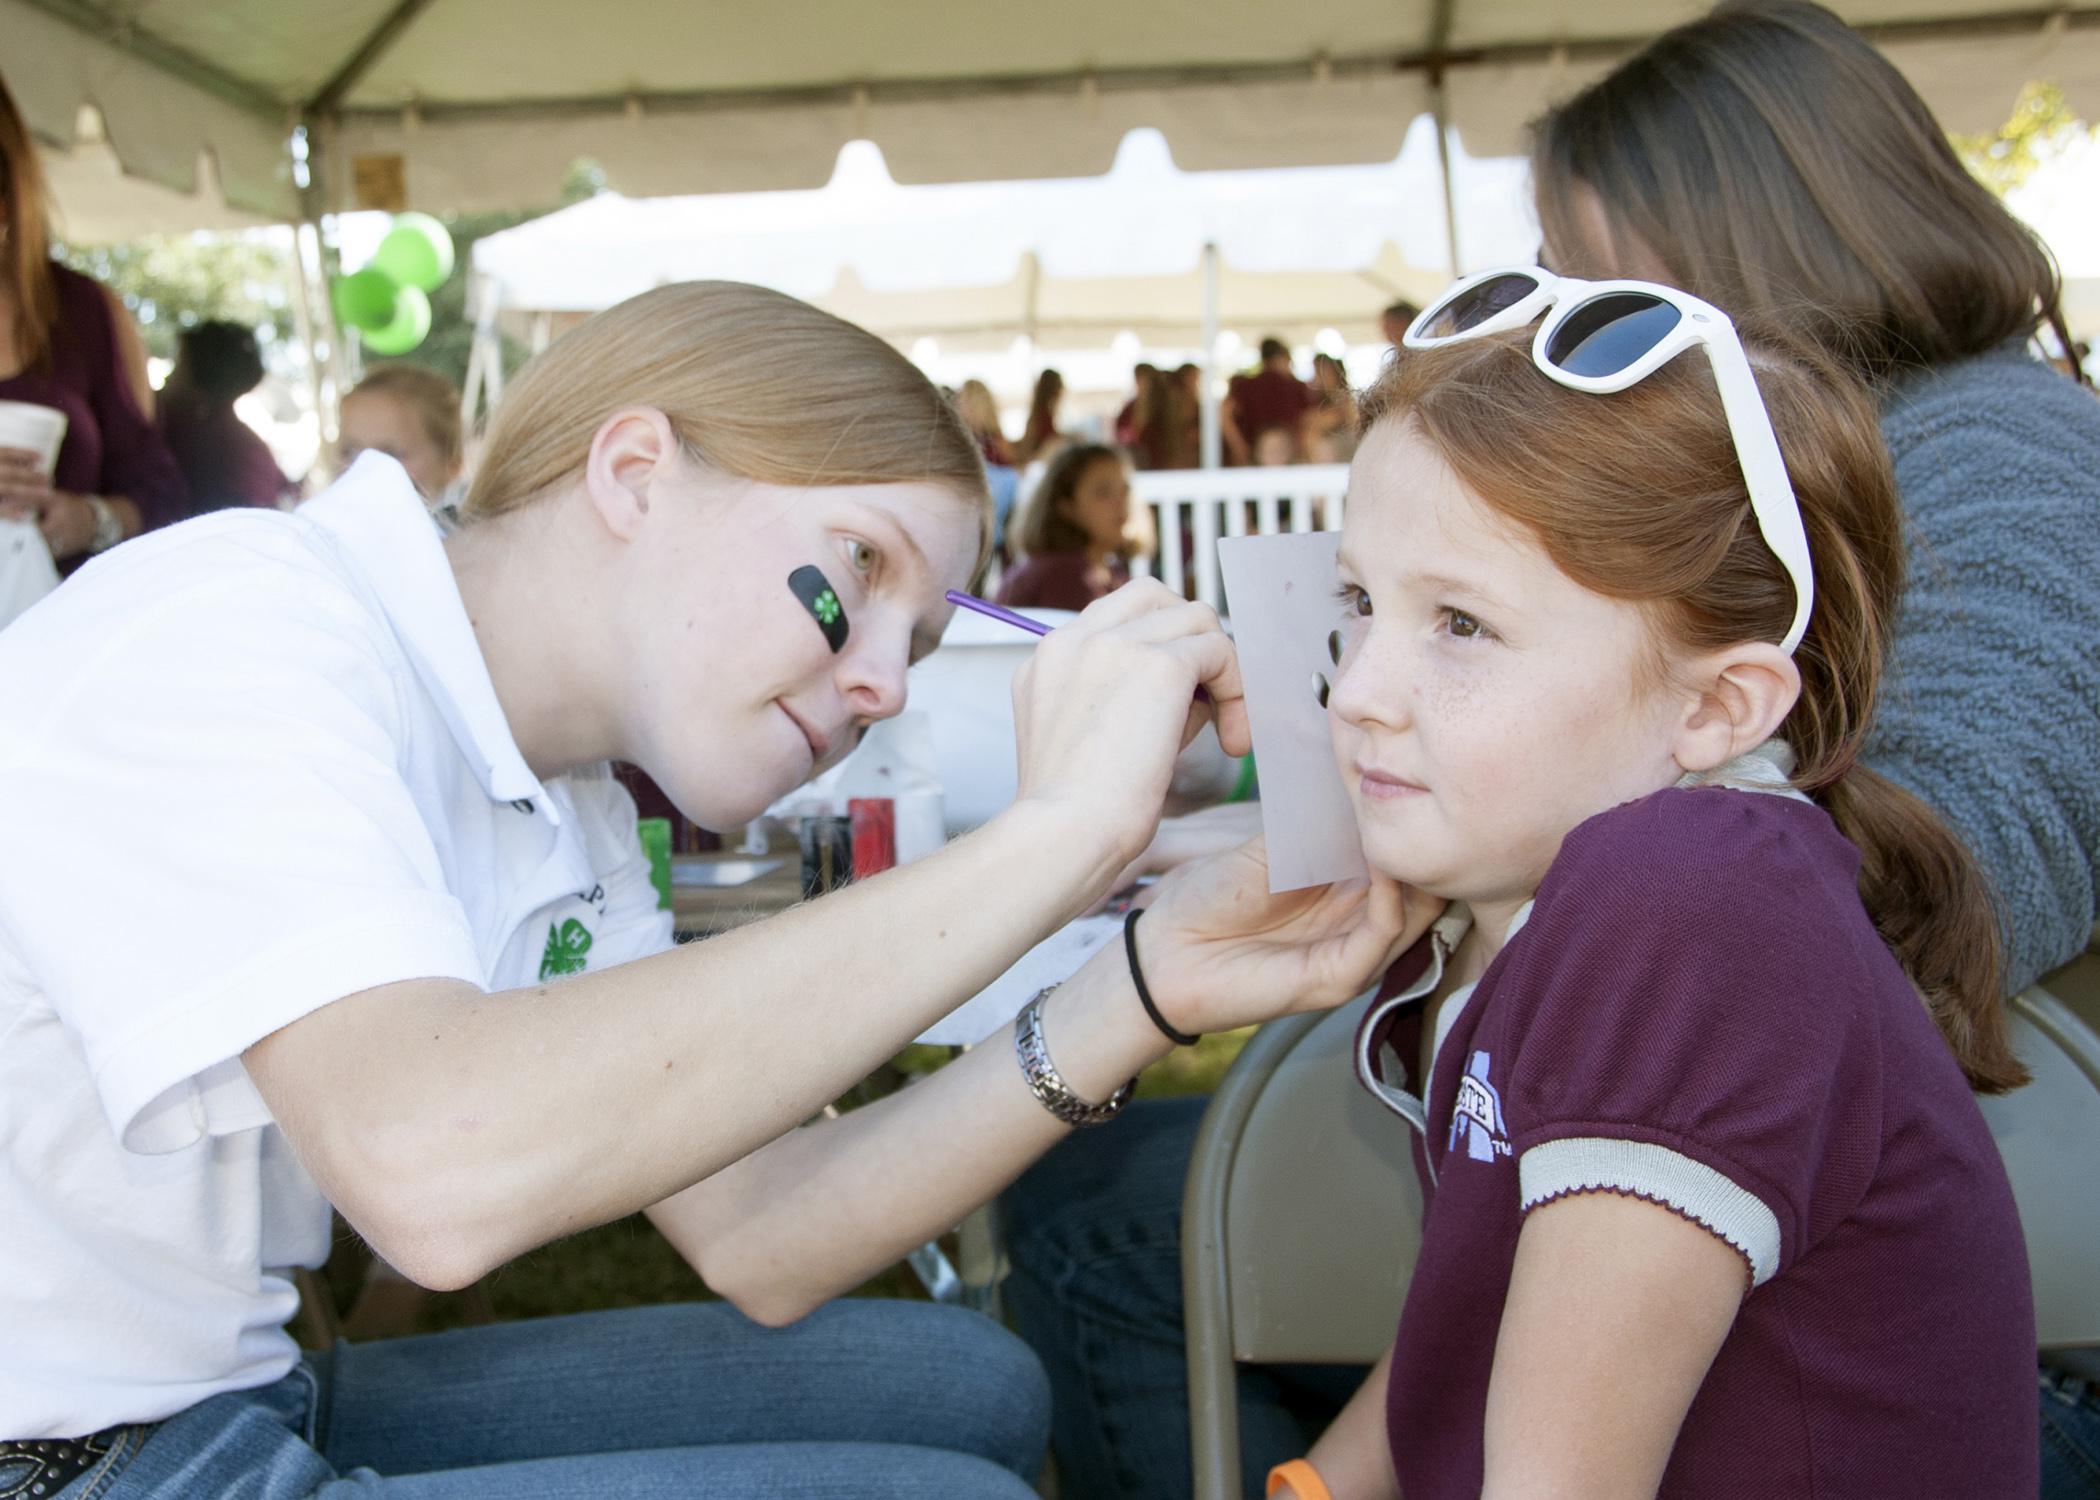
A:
<point x="111" y="447"/>
<point x="1059" y="580"/>
<point x="223" y="460"/>
<point x="1266" y="399"/>
<point x="1699" y="1012"/>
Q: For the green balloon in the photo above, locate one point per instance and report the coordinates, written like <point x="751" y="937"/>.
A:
<point x="416" y="252"/>
<point x="366" y="299"/>
<point x="411" y="323"/>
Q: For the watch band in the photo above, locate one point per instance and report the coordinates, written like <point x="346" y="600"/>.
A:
<point x="109" y="526"/>
<point x="1043" y="1078"/>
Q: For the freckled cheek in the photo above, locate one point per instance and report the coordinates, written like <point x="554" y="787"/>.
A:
<point x="1482" y="738"/>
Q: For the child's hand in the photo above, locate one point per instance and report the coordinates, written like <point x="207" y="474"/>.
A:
<point x="1219" y="951"/>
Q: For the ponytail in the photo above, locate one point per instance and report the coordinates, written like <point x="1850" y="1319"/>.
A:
<point x="1933" y="907"/>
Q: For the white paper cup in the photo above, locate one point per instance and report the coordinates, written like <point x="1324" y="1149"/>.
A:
<point x="34" y="429"/>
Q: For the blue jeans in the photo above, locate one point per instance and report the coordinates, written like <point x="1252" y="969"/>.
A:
<point x="1094" y="1234"/>
<point x="2070" y="1437"/>
<point x="861" y="1399"/>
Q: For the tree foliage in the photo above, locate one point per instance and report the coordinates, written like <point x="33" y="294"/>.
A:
<point x="2042" y="124"/>
<point x="171" y="282"/>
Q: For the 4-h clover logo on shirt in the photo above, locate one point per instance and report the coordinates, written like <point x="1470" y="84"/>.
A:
<point x="566" y="947"/>
<point x="826" y="607"/>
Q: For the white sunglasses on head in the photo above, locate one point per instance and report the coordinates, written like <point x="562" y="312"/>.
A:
<point x="1603" y="336"/>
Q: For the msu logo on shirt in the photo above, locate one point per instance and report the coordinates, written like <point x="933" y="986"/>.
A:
<point x="1476" y="1116"/>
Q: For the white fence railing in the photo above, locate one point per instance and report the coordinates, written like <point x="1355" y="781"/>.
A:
<point x="1203" y="505"/>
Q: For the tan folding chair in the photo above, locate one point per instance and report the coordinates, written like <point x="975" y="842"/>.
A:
<point x="2049" y="1135"/>
<point x="1299" y="1226"/>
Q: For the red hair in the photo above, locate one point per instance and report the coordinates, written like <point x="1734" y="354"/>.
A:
<point x="1638" y="496"/>
<point x="26" y="263"/>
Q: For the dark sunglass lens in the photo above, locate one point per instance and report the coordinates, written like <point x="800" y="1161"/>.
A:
<point x="1607" y="334"/>
<point x="1475" y="306"/>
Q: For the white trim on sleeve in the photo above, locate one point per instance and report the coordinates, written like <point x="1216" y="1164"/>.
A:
<point x="1580" y="1164"/>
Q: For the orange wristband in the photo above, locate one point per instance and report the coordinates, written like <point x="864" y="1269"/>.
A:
<point x="1302" y="1477"/>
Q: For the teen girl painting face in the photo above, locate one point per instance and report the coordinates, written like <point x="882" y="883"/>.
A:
<point x="663" y="629"/>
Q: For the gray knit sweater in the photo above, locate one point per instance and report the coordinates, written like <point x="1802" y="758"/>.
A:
<point x="1991" y="711"/>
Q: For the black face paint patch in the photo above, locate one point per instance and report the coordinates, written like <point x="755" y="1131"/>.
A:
<point x="815" y="592"/>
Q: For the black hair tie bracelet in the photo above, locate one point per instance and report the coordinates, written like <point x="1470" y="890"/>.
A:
<point x="1137" y="977"/>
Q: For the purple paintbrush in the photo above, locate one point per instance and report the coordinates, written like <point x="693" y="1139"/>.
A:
<point x="997" y="612"/>
<point x="1034" y="627"/>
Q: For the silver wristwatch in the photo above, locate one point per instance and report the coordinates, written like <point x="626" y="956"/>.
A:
<point x="1042" y="1075"/>
<point x="109" y="526"/>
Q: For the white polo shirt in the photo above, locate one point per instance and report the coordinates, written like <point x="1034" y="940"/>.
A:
<point x="248" y="765"/>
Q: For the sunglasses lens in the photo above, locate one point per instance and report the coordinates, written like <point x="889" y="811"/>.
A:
<point x="1476" y="305"/>
<point x="1608" y="334"/>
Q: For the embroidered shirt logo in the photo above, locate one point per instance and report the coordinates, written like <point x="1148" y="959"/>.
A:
<point x="1476" y="1117"/>
<point x="566" y="947"/>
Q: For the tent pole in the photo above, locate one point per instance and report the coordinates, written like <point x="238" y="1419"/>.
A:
<point x="328" y="375"/>
<point x="1212" y="439"/>
<point x="1440" y="107"/>
<point x="306" y="323"/>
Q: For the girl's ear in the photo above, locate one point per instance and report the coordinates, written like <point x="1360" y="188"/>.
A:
<point x="1740" y="696"/>
<point x="631" y="451"/>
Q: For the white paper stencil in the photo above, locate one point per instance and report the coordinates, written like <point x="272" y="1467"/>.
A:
<point x="1281" y="591"/>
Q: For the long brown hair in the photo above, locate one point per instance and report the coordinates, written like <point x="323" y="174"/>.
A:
<point x="1639" y="496"/>
<point x="1043" y="529"/>
<point x="25" y="261"/>
<point x="1780" y="167"/>
<point x="754" y="382"/>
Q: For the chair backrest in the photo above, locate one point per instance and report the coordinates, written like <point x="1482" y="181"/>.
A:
<point x="2049" y="1135"/>
<point x="1299" y="1227"/>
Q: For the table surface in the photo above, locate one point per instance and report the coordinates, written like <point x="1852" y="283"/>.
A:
<point x="702" y="910"/>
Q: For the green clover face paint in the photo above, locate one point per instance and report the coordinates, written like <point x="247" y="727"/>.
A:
<point x="822" y="601"/>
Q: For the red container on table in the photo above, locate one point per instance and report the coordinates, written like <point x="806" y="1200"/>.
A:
<point x="874" y="822"/>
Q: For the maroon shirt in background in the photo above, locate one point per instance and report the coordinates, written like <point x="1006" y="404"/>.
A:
<point x="1058" y="580"/>
<point x="1267" y="399"/>
<point x="111" y="448"/>
<point x="223" y="461"/>
<point x="1698" y="974"/>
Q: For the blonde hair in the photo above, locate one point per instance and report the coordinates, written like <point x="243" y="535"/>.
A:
<point x="973" y="401"/>
<point x="753" y="382"/>
<point x="433" y="398"/>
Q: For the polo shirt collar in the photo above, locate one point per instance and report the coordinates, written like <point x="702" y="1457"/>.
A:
<point x="377" y="517"/>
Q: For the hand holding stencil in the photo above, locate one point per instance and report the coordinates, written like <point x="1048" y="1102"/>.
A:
<point x="1284" y="617"/>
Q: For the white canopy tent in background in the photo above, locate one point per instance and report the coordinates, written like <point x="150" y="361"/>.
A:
<point x="454" y="105"/>
<point x="1065" y="262"/>
<point x="1146" y="257"/>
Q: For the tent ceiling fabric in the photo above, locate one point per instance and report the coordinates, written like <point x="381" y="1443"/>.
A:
<point x="226" y="158"/>
<point x="487" y="103"/>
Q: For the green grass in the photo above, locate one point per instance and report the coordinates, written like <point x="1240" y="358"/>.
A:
<point x="628" y="1264"/>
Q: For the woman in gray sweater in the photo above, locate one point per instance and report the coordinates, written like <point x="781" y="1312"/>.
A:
<point x="1767" y="159"/>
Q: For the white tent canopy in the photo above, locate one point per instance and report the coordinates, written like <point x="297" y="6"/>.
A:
<point x="481" y="104"/>
<point x="1066" y="263"/>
